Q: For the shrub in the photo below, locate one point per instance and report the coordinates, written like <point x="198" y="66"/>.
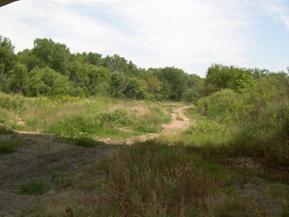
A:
<point x="75" y="126"/>
<point x="261" y="115"/>
<point x="222" y="105"/>
<point x="46" y="81"/>
<point x="11" y="102"/>
<point x="116" y="118"/>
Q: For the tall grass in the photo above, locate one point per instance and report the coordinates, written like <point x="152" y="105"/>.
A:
<point x="153" y="180"/>
<point x="156" y="180"/>
<point x="76" y="117"/>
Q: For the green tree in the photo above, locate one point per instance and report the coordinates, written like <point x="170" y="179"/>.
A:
<point x="46" y="81"/>
<point x="77" y="72"/>
<point x="118" y="84"/>
<point x="7" y="56"/>
<point x="153" y="83"/>
<point x="92" y="58"/>
<point x="55" y="55"/>
<point x="195" y="88"/>
<point x="30" y="60"/>
<point x="18" y="79"/>
<point x="222" y="77"/>
<point x="99" y="80"/>
<point x="174" y="83"/>
<point x="120" y="64"/>
<point x="135" y="89"/>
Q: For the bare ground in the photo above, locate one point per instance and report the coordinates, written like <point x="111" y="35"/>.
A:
<point x="41" y="158"/>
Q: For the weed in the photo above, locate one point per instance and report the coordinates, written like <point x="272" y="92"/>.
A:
<point x="34" y="187"/>
<point x="233" y="206"/>
<point x="117" y="118"/>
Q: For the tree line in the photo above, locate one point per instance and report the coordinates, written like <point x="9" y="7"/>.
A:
<point x="50" y="69"/>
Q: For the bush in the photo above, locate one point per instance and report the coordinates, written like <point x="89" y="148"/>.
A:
<point x="222" y="105"/>
<point x="75" y="126"/>
<point x="116" y="118"/>
<point x="46" y="81"/>
<point x="9" y="102"/>
<point x="261" y="115"/>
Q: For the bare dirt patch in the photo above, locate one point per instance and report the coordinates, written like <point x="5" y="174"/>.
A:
<point x="179" y="122"/>
<point x="39" y="158"/>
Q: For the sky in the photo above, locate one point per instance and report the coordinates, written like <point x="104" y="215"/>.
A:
<point x="188" y="34"/>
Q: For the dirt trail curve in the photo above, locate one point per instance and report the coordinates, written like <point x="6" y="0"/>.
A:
<point x="179" y="122"/>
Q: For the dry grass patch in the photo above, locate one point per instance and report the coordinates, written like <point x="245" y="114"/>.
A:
<point x="153" y="180"/>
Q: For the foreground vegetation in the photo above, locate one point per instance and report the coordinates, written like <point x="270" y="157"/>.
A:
<point x="132" y="185"/>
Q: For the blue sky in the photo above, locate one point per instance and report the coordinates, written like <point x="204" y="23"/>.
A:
<point x="188" y="34"/>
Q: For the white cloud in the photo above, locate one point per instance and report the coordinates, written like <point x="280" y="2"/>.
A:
<point x="190" y="34"/>
<point x="280" y="9"/>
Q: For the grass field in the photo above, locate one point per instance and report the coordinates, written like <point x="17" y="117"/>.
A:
<point x="74" y="117"/>
<point x="65" y="169"/>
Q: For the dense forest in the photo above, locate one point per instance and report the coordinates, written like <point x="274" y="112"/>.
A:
<point x="50" y="69"/>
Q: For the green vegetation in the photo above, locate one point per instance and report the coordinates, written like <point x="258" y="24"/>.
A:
<point x="50" y="69"/>
<point x="232" y="161"/>
<point x="173" y="188"/>
<point x="242" y="120"/>
<point x="73" y="117"/>
<point x="34" y="187"/>
<point x="260" y="115"/>
<point x="151" y="179"/>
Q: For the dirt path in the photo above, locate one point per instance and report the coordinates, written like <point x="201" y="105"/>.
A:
<point x="179" y="122"/>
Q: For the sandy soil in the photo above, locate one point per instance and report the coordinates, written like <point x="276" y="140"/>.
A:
<point x="179" y="121"/>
